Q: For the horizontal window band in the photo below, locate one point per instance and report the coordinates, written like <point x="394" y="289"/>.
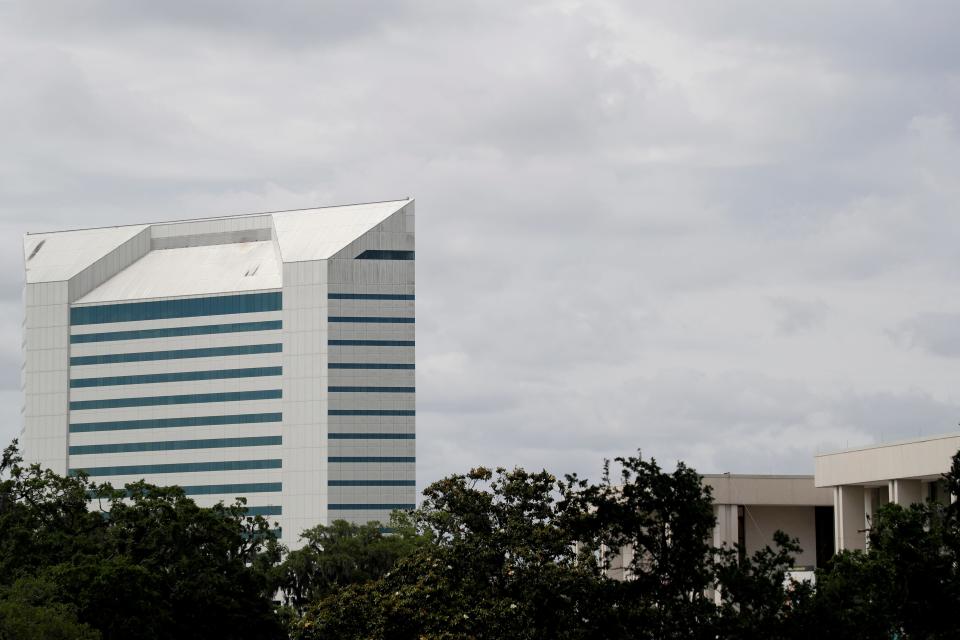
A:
<point x="371" y="412"/>
<point x="267" y="510"/>
<point x="386" y="254"/>
<point x="168" y="423"/>
<point x="372" y="436"/>
<point x="370" y="296"/>
<point x="349" y="459"/>
<point x="376" y="506"/>
<point x="176" y="332"/>
<point x="180" y="467"/>
<point x="371" y="483"/>
<point x="371" y="389"/>
<point x="371" y="343"/>
<point x="193" y="398"/>
<point x="177" y="354"/>
<point x="179" y="308"/>
<point x="176" y="445"/>
<point x="182" y="376"/>
<point x="276" y="533"/>
<point x="227" y="489"/>
<point x="372" y="319"/>
<point x="368" y="365"/>
<point x="233" y="489"/>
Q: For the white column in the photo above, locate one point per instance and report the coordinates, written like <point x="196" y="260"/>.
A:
<point x="726" y="531"/>
<point x="848" y="513"/>
<point x="868" y="508"/>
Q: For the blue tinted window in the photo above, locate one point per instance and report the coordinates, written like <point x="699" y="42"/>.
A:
<point x="268" y="510"/>
<point x="182" y="308"/>
<point x="372" y="483"/>
<point x="176" y="445"/>
<point x="371" y="459"/>
<point x="181" y="467"/>
<point x="174" y="332"/>
<point x="177" y="354"/>
<point x="166" y="423"/>
<point x="386" y="254"/>
<point x="370" y="296"/>
<point x="346" y="506"/>
<point x="368" y="365"/>
<point x="370" y="343"/>
<point x="371" y="389"/>
<point x="233" y="489"/>
<point x="371" y="412"/>
<point x="181" y="376"/>
<point x="372" y="436"/>
<point x="193" y="398"/>
<point x="373" y="319"/>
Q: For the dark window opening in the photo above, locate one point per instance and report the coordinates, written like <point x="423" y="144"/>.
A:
<point x="823" y="525"/>
<point x="386" y="254"/>
<point x="741" y="533"/>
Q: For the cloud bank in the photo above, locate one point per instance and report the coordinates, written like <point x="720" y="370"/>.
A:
<point x="724" y="234"/>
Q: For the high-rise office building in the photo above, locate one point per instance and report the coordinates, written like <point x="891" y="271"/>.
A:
<point x="269" y="356"/>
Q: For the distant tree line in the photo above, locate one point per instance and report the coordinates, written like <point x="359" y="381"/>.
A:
<point x="488" y="555"/>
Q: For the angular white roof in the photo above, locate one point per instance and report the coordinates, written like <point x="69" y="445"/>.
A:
<point x="305" y="234"/>
<point x="245" y="266"/>
<point x="318" y="234"/>
<point x="51" y="257"/>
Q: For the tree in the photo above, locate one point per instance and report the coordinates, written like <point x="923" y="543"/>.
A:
<point x="512" y="554"/>
<point x="905" y="586"/>
<point x="343" y="554"/>
<point x="499" y="564"/>
<point x="144" y="562"/>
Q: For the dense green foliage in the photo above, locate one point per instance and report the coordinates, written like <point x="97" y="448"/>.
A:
<point x="906" y="586"/>
<point x="490" y="554"/>
<point x="514" y="554"/>
<point x="342" y="554"/>
<point x="146" y="562"/>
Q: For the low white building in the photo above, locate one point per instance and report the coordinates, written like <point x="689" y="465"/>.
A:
<point x="864" y="478"/>
<point x="750" y="508"/>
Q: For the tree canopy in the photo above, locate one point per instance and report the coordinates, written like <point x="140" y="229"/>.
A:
<point x="489" y="554"/>
<point x="143" y="562"/>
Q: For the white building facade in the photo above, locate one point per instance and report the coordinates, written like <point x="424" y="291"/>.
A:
<point x="865" y="478"/>
<point x="269" y="356"/>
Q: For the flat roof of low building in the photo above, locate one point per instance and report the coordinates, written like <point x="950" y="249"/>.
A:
<point x="925" y="458"/>
<point x="767" y="490"/>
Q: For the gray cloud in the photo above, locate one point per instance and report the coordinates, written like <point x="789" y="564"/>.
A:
<point x="798" y="315"/>
<point x="676" y="227"/>
<point x="936" y="333"/>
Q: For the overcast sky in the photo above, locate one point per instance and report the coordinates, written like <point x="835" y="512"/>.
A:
<point x="726" y="233"/>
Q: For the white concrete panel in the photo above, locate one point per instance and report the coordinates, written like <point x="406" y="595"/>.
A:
<point x="177" y="433"/>
<point x="61" y="255"/>
<point x="176" y="343"/>
<point x="175" y="457"/>
<point x="370" y="495"/>
<point x="376" y="378"/>
<point x="176" y="411"/>
<point x="760" y="522"/>
<point x="234" y="385"/>
<point x="373" y="448"/>
<point x="274" y="359"/>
